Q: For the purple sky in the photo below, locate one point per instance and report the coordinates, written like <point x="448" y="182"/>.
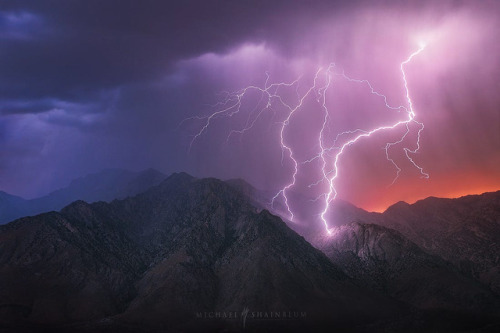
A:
<point x="97" y="84"/>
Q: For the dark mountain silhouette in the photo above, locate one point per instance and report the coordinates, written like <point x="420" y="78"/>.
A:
<point x="106" y="185"/>
<point x="165" y="259"/>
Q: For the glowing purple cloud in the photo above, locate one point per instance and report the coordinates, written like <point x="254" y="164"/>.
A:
<point x="385" y="51"/>
<point x="270" y="96"/>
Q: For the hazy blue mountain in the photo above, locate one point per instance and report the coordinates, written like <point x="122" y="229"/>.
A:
<point x="106" y="185"/>
<point x="11" y="207"/>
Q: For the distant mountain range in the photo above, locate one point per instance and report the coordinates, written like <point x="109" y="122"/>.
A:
<point x="106" y="185"/>
<point x="194" y="254"/>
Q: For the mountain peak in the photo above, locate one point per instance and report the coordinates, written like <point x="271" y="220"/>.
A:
<point x="179" y="176"/>
<point x="398" y="206"/>
<point x="8" y="196"/>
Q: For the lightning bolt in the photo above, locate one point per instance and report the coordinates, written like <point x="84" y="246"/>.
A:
<point x="328" y="156"/>
<point x="332" y="192"/>
<point x="288" y="149"/>
<point x="232" y="106"/>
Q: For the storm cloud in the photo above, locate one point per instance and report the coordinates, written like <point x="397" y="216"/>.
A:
<point x="87" y="85"/>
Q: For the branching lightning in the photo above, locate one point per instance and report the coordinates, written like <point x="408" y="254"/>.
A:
<point x="332" y="192"/>
<point x="328" y="156"/>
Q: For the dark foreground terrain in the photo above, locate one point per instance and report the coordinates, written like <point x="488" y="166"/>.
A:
<point x="200" y="255"/>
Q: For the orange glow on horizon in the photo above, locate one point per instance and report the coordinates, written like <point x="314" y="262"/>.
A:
<point x="445" y="188"/>
<point x="454" y="195"/>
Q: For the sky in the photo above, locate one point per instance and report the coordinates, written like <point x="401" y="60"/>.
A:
<point x="89" y="85"/>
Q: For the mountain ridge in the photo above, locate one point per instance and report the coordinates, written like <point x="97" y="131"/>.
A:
<point x="464" y="231"/>
<point x="107" y="185"/>
<point x="433" y="198"/>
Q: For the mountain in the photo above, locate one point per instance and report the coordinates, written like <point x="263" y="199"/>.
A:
<point x="106" y="185"/>
<point x="11" y="207"/>
<point x="385" y="260"/>
<point x="340" y="213"/>
<point x="201" y="254"/>
<point x="463" y="231"/>
<point x="172" y="258"/>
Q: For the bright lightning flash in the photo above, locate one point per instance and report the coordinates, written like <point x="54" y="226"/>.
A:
<point x="329" y="156"/>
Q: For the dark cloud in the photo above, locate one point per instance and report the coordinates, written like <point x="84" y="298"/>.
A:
<point x="66" y="50"/>
<point x="91" y="45"/>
